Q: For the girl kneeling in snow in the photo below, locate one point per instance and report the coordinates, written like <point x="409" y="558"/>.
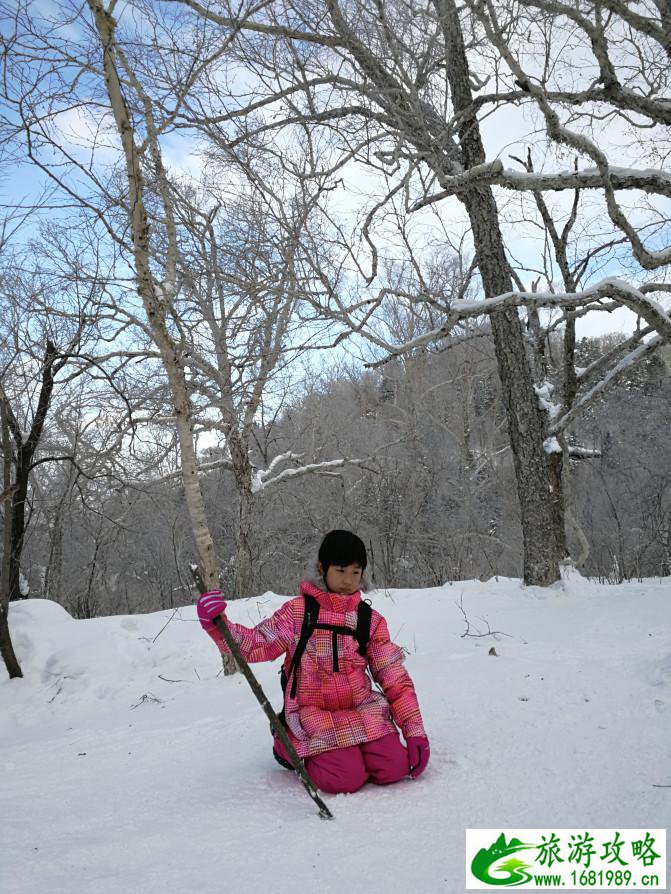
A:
<point x="342" y="728"/>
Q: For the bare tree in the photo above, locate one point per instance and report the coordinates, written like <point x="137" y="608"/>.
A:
<point x="27" y="383"/>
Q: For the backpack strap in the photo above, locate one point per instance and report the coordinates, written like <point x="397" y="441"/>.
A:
<point x="363" y="621"/>
<point x="310" y="617"/>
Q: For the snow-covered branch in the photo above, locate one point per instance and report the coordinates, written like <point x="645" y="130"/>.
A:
<point x="171" y="476"/>
<point x="583" y="452"/>
<point x="261" y="477"/>
<point x="650" y="180"/>
<point x="609" y="379"/>
<point x="586" y="374"/>
<point x="310" y="468"/>
<point x="611" y="287"/>
<point x="327" y="467"/>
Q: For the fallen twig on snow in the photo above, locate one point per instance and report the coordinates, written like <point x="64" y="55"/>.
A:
<point x="490" y="632"/>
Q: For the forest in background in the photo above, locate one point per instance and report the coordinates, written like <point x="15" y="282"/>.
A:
<point x="434" y="501"/>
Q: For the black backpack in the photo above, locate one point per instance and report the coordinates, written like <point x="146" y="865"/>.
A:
<point x="311" y="623"/>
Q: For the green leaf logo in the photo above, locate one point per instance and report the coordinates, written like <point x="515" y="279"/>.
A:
<point x="509" y="873"/>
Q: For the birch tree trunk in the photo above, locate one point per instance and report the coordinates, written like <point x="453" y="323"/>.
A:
<point x="156" y="296"/>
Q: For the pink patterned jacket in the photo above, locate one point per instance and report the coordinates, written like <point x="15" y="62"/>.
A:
<point x="334" y="709"/>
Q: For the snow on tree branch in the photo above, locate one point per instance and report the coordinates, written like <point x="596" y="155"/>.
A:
<point x="611" y="287"/>
<point x="649" y="180"/>
<point x="615" y="373"/>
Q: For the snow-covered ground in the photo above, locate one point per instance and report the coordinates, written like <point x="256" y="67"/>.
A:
<point x="129" y="764"/>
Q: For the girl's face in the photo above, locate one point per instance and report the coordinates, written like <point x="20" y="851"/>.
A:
<point x="342" y="579"/>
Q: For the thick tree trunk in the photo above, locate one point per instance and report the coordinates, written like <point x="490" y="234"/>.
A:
<point x="569" y="516"/>
<point x="25" y="451"/>
<point x="555" y="460"/>
<point x="538" y="506"/>
<point x="541" y="520"/>
<point x="557" y="471"/>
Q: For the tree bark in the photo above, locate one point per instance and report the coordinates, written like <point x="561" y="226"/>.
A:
<point x="242" y="472"/>
<point x="6" y="646"/>
<point x="244" y="567"/>
<point x="538" y="506"/>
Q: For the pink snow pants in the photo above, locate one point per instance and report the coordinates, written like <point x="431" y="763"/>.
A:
<point x="341" y="770"/>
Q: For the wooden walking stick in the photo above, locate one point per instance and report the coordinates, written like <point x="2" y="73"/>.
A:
<point x="275" y="722"/>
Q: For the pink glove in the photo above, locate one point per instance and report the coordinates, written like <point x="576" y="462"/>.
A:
<point x="418" y="754"/>
<point x="210" y="606"/>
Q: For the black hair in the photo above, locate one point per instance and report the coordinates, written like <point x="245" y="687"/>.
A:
<point x="342" y="548"/>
